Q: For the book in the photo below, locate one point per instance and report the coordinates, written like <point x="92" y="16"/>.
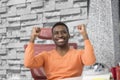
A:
<point x="106" y="76"/>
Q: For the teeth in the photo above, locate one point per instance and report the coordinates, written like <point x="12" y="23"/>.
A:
<point x="60" y="40"/>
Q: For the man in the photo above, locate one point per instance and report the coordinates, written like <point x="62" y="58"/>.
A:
<point x="63" y="61"/>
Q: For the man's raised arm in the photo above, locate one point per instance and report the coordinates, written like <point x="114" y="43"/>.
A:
<point x="88" y="56"/>
<point x="30" y="60"/>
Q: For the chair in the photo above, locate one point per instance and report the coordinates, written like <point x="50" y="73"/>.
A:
<point x="38" y="74"/>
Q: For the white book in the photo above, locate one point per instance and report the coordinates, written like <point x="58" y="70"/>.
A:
<point x="97" y="77"/>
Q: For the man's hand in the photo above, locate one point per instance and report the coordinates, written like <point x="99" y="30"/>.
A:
<point x="35" y="33"/>
<point x="83" y="31"/>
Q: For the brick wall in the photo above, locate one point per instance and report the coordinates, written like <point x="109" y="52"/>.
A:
<point x="17" y="17"/>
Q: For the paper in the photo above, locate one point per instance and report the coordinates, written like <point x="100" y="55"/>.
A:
<point x="97" y="77"/>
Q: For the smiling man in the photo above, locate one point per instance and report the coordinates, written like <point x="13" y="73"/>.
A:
<point x="63" y="61"/>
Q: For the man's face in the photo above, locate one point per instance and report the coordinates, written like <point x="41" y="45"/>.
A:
<point x="60" y="35"/>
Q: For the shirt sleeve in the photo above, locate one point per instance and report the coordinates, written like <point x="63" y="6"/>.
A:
<point x="30" y="60"/>
<point x="88" y="56"/>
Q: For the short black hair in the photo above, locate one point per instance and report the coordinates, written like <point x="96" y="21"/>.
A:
<point x="60" y="23"/>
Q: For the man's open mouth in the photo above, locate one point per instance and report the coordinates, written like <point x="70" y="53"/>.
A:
<point x="60" y="40"/>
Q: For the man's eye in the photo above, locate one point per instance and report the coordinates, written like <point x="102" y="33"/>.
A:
<point x="64" y="32"/>
<point x="55" y="32"/>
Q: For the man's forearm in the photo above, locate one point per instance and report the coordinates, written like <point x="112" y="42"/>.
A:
<point x="32" y="39"/>
<point x="85" y="37"/>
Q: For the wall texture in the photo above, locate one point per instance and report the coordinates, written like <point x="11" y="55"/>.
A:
<point x="17" y="17"/>
<point x="104" y="30"/>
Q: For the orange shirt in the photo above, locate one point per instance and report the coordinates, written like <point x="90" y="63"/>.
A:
<point x="57" y="66"/>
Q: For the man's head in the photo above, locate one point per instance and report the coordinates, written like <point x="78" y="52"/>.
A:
<point x="60" y="34"/>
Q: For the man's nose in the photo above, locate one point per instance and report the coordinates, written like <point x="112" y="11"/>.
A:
<point x="60" y="34"/>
